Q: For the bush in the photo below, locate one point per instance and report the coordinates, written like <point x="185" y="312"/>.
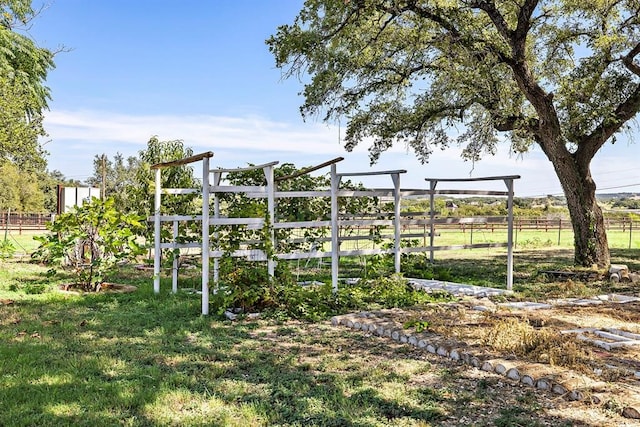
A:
<point x="7" y="250"/>
<point x="247" y="286"/>
<point x="91" y="240"/>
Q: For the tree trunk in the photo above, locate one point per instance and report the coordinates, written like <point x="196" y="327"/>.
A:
<point x="590" y="237"/>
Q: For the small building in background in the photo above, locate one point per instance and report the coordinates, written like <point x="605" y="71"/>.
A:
<point x="69" y="197"/>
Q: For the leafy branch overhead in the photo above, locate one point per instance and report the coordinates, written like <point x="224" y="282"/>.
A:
<point x="406" y="70"/>
<point x="562" y="74"/>
<point x="24" y="67"/>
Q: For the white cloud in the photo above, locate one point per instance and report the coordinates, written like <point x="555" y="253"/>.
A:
<point x="102" y="129"/>
<point x="77" y="136"/>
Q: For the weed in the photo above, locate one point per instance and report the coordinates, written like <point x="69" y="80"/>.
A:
<point x="418" y="325"/>
<point x="7" y="250"/>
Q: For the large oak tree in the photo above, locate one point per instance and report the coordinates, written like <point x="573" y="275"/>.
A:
<point x="563" y="74"/>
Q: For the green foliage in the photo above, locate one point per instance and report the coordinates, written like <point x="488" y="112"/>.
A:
<point x="535" y="242"/>
<point x="138" y="198"/>
<point x="6" y="249"/>
<point x="412" y="265"/>
<point x="560" y="74"/>
<point x="417" y="324"/>
<point x="91" y="240"/>
<point x="23" y="96"/>
<point x="625" y="203"/>
<point x="402" y="74"/>
<point x="287" y="209"/>
<point x="247" y="286"/>
<point x="291" y="209"/>
<point x="20" y="191"/>
<point x="393" y="291"/>
<point x="120" y="179"/>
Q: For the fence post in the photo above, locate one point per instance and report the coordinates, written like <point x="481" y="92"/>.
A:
<point x="630" y="231"/>
<point x="396" y="221"/>
<point x="559" y="229"/>
<point x="6" y="224"/>
<point x="206" y="221"/>
<point x="174" y="268"/>
<point x="335" y="228"/>
<point x="509" y="184"/>
<point x="271" y="208"/>
<point x="432" y="216"/>
<point x="157" y="251"/>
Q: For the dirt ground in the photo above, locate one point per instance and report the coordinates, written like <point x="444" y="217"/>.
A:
<point x="533" y="340"/>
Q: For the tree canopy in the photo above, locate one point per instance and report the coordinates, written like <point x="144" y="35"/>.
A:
<point x="562" y="74"/>
<point x="23" y="95"/>
<point x="140" y="197"/>
<point x="20" y="191"/>
<point x="120" y="178"/>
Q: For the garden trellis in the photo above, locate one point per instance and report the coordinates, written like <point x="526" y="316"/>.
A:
<point x="214" y="223"/>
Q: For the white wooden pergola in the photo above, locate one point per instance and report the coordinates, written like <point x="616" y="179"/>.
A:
<point x="212" y="187"/>
<point x="508" y="181"/>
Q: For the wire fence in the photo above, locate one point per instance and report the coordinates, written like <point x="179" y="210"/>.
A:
<point x="557" y="230"/>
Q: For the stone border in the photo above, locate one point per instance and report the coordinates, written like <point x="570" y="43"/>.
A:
<point x="571" y="385"/>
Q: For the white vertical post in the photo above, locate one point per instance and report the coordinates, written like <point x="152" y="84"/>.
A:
<point x="396" y="221"/>
<point x="509" y="183"/>
<point x="157" y="252"/>
<point x="174" y="270"/>
<point x="205" y="235"/>
<point x="271" y="207"/>
<point x="217" y="177"/>
<point x="335" y="249"/>
<point x="432" y="216"/>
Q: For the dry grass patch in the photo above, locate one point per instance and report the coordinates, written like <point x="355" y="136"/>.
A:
<point x="516" y="336"/>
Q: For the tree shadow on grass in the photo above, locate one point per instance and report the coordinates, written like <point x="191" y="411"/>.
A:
<point x="141" y="359"/>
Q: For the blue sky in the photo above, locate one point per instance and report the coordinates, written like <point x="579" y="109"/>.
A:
<point x="199" y="70"/>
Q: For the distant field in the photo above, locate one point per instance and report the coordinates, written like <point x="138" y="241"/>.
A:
<point x="25" y="242"/>
<point x="22" y="241"/>
<point x="522" y="239"/>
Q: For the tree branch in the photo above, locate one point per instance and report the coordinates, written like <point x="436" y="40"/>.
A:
<point x="628" y="60"/>
<point x="548" y="125"/>
<point x="489" y="7"/>
<point x="624" y="112"/>
<point x="524" y="22"/>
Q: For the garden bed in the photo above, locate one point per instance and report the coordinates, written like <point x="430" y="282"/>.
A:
<point x="527" y="347"/>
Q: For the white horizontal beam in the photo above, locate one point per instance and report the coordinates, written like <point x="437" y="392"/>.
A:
<point x="180" y="191"/>
<point x="483" y="178"/>
<point x="372" y="173"/>
<point x="172" y="245"/>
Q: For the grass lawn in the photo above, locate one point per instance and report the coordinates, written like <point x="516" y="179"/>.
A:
<point x="141" y="359"/>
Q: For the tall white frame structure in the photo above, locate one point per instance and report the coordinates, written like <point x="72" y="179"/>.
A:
<point x="212" y="188"/>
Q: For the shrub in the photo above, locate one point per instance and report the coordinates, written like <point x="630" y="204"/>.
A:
<point x="247" y="286"/>
<point x="91" y="240"/>
<point x="7" y="250"/>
